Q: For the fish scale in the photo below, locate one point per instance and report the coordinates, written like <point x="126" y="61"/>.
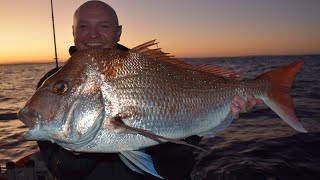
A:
<point x="156" y="86"/>
<point x="111" y="101"/>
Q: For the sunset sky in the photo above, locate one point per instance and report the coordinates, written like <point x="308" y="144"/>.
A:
<point x="184" y="28"/>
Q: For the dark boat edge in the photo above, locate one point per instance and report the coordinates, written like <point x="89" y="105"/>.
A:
<point x="8" y="116"/>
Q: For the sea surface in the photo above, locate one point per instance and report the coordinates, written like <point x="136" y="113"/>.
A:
<point x="258" y="145"/>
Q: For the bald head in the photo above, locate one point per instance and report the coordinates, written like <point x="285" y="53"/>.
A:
<point x="93" y="7"/>
<point x="95" y="25"/>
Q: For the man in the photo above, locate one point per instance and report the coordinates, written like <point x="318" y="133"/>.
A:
<point x="95" y="25"/>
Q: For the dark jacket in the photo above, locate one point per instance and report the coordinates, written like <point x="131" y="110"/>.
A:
<point x="171" y="161"/>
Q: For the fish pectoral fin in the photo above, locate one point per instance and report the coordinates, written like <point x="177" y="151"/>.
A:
<point x="117" y="121"/>
<point x="224" y="124"/>
<point x="139" y="161"/>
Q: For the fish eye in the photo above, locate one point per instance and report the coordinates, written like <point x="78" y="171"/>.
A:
<point x="60" y="87"/>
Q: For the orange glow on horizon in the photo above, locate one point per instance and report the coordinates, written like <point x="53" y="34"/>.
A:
<point x="216" y="28"/>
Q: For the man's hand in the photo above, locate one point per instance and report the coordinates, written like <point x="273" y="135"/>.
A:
<point x="239" y="105"/>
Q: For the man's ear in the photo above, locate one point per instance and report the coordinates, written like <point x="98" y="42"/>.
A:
<point x="119" y="31"/>
<point x="73" y="31"/>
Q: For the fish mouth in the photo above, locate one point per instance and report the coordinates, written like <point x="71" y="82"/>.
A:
<point x="35" y="134"/>
<point x="32" y="120"/>
<point x="28" y="117"/>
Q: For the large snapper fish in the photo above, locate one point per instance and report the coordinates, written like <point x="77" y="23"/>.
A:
<point x="111" y="101"/>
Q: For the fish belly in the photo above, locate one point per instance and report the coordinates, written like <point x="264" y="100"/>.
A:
<point x="179" y="127"/>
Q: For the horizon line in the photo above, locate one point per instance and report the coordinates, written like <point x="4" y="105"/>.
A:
<point x="236" y="56"/>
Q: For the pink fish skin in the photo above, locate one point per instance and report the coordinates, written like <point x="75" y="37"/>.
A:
<point x="107" y="100"/>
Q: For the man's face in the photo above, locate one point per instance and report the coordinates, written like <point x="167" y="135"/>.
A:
<point x="95" y="27"/>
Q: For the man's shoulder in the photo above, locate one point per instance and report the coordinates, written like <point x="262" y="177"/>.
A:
<point x="122" y="47"/>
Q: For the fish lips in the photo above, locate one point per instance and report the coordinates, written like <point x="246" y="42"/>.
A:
<point x="32" y="120"/>
<point x="28" y="117"/>
<point x="37" y="134"/>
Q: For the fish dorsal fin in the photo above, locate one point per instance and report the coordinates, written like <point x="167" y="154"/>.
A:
<point x="154" y="53"/>
<point x="143" y="47"/>
<point x="159" y="55"/>
<point x="217" y="70"/>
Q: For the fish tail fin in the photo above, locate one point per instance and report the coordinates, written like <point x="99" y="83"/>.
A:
<point x="279" y="99"/>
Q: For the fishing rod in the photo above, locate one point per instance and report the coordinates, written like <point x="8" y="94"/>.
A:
<point x="54" y="36"/>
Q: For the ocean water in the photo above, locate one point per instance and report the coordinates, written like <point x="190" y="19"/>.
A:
<point x="258" y="145"/>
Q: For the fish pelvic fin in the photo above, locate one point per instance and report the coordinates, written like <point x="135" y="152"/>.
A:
<point x="139" y="161"/>
<point x="279" y="100"/>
